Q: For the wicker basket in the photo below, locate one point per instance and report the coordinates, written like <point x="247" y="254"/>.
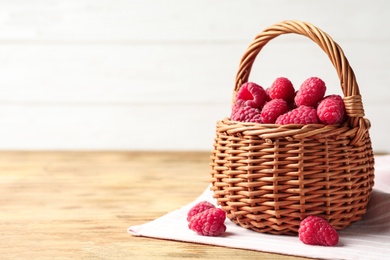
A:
<point x="268" y="177"/>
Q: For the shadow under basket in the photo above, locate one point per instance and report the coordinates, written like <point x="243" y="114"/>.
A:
<point x="269" y="177"/>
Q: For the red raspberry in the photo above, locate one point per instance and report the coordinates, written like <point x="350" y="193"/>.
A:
<point x="311" y="92"/>
<point x="246" y="114"/>
<point x="209" y="222"/>
<point x="200" y="207"/>
<point x="281" y="88"/>
<point x="300" y="115"/>
<point x="331" y="110"/>
<point x="272" y="110"/>
<point x="314" y="230"/>
<point x="252" y="95"/>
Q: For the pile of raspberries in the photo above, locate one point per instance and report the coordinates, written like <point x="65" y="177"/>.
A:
<point x="281" y="104"/>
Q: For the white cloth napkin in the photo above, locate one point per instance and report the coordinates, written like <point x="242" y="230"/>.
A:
<point x="368" y="238"/>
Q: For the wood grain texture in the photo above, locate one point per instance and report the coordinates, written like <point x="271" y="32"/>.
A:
<point x="78" y="205"/>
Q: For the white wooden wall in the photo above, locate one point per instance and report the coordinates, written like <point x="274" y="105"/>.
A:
<point x="157" y="75"/>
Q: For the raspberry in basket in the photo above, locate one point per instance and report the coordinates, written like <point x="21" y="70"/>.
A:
<point x="252" y="95"/>
<point x="311" y="92"/>
<point x="272" y="110"/>
<point x="246" y="114"/>
<point x="331" y="110"/>
<point x="299" y="115"/>
<point x="314" y="230"/>
<point x="281" y="88"/>
<point x="200" y="207"/>
<point x="209" y="222"/>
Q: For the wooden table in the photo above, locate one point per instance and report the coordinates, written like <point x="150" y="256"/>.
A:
<point x="78" y="205"/>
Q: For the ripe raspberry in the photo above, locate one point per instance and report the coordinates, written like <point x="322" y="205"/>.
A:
<point x="331" y="110"/>
<point x="246" y="114"/>
<point x="209" y="222"/>
<point x="311" y="92"/>
<point x="272" y="110"/>
<point x="252" y="95"/>
<point x="200" y="207"/>
<point x="281" y="88"/>
<point x="299" y="115"/>
<point x="314" y="230"/>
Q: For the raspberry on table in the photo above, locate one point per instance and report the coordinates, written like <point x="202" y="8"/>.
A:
<point x="314" y="230"/>
<point x="200" y="207"/>
<point x="252" y="95"/>
<point x="311" y="92"/>
<point x="272" y="110"/>
<point x="281" y="88"/>
<point x="246" y="114"/>
<point x="300" y="115"/>
<point x="209" y="222"/>
<point x="331" y="110"/>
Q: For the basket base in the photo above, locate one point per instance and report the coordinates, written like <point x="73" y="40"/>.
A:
<point x="286" y="226"/>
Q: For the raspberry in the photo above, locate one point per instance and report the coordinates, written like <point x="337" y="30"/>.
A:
<point x="246" y="114"/>
<point x="281" y="88"/>
<point x="252" y="95"/>
<point x="209" y="222"/>
<point x="314" y="230"/>
<point x="299" y="115"/>
<point x="331" y="110"/>
<point x="200" y="207"/>
<point x="272" y="110"/>
<point x="311" y="92"/>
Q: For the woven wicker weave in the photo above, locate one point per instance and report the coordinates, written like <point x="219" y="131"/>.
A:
<point x="269" y="177"/>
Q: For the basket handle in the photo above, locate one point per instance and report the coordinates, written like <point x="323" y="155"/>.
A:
<point x="352" y="98"/>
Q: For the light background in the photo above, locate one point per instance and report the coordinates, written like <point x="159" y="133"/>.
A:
<point x="157" y="75"/>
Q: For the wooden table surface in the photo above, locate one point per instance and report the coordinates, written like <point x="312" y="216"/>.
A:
<point x="78" y="205"/>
